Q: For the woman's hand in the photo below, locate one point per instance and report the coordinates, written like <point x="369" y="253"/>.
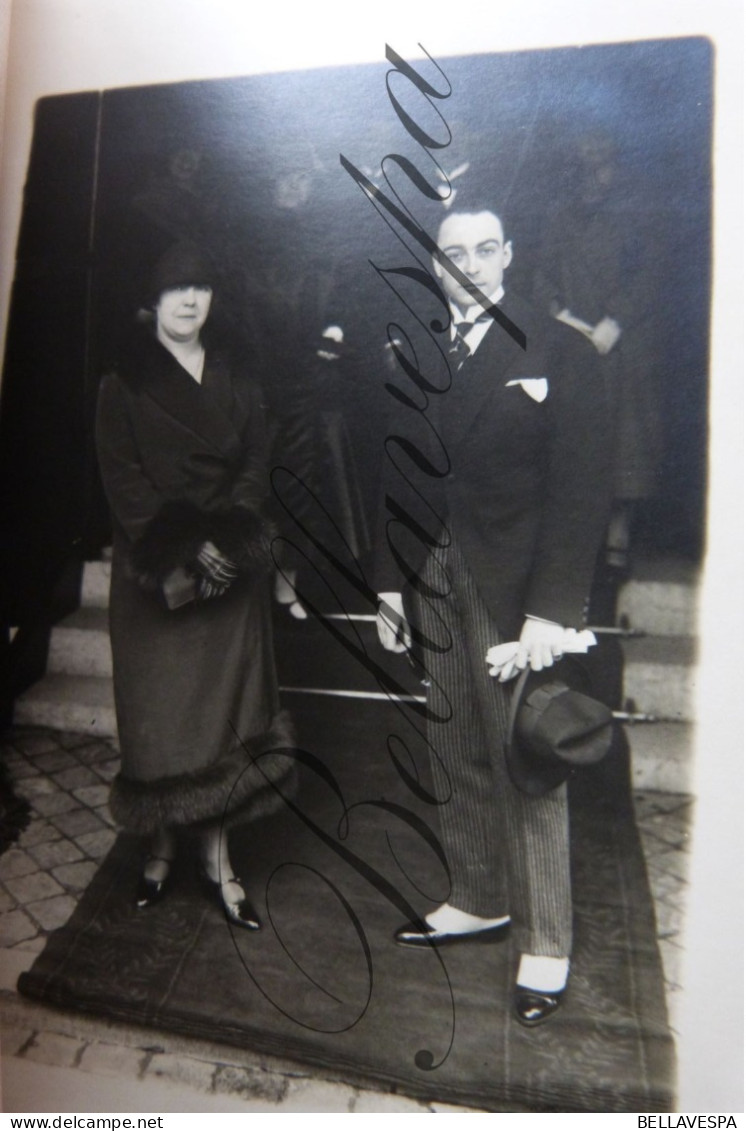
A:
<point x="217" y="571"/>
<point x="207" y="589"/>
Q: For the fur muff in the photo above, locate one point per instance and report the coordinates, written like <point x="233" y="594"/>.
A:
<point x="245" y="537"/>
<point x="173" y="538"/>
<point x="252" y="781"/>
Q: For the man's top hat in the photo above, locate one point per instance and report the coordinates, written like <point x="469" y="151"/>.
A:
<point x="555" y="727"/>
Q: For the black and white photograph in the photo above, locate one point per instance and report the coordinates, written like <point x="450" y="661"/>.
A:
<point x="362" y="747"/>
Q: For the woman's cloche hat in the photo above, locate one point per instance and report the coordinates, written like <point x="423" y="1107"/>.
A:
<point x="184" y="263"/>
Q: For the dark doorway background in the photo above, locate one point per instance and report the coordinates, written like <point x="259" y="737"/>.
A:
<point x="114" y="176"/>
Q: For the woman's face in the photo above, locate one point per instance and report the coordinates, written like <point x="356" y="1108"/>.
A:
<point x="182" y="312"/>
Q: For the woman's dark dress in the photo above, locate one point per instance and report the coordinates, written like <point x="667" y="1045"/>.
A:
<point x="195" y="687"/>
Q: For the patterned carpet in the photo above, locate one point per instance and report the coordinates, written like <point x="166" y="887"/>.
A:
<point x="324" y="984"/>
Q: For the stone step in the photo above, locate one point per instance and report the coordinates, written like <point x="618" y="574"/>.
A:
<point x="662" y="756"/>
<point x="94" y="590"/>
<point x="662" y="598"/>
<point x="660" y="676"/>
<point x="659" y="673"/>
<point x="307" y="655"/>
<point x="69" y="702"/>
<point x="80" y="644"/>
<point x="661" y="753"/>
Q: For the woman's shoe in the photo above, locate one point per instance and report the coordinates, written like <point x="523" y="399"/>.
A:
<point x="238" y="911"/>
<point x="151" y="891"/>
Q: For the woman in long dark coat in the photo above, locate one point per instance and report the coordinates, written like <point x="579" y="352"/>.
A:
<point x="181" y="443"/>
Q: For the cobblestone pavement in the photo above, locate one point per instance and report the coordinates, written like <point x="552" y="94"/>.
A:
<point x="65" y="778"/>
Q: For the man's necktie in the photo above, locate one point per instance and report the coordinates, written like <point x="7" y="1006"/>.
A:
<point x="459" y="349"/>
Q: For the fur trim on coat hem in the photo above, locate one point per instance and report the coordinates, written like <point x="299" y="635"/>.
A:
<point x="173" y="538"/>
<point x="250" y="782"/>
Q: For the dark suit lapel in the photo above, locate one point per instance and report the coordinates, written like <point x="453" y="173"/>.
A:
<point x="482" y="376"/>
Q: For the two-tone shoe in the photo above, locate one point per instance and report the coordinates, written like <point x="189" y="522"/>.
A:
<point x="422" y="934"/>
<point x="534" y="1007"/>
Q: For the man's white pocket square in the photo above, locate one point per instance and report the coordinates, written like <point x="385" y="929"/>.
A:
<point x="536" y="387"/>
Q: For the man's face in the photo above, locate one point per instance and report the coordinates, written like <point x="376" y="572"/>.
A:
<point x="475" y="244"/>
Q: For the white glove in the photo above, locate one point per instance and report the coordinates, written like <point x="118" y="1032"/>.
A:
<point x="393" y="628"/>
<point x="539" y="645"/>
<point x="333" y="334"/>
<point x="503" y="658"/>
<point x="606" y="335"/>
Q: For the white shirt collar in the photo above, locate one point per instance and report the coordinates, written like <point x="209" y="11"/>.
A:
<point x="472" y="312"/>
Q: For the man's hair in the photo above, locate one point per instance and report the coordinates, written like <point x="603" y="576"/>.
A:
<point x="469" y="204"/>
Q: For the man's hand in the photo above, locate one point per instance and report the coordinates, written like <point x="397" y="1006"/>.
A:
<point x="332" y="334"/>
<point x="539" y="645"/>
<point x="391" y="623"/>
<point x="606" y="335"/>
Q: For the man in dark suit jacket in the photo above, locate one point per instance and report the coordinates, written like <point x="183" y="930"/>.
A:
<point x="526" y="501"/>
